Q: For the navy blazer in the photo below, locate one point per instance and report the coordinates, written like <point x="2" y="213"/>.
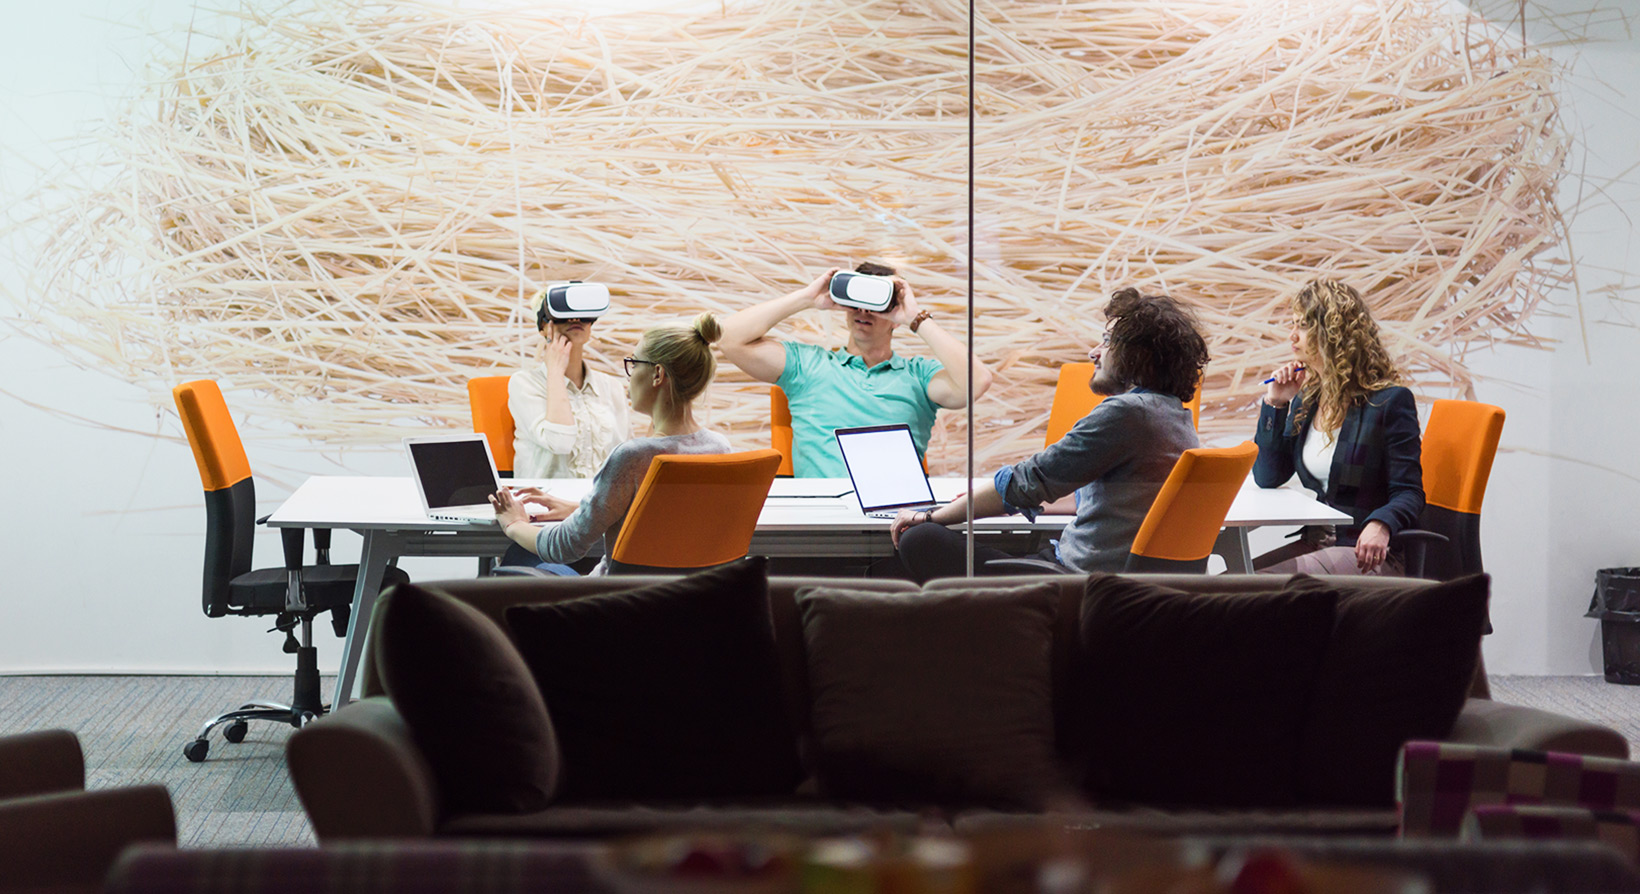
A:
<point x="1376" y="473"/>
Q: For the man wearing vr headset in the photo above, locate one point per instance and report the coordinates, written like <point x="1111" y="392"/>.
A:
<point x="862" y="383"/>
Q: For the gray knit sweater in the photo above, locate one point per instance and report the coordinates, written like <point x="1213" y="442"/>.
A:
<point x="1115" y="459"/>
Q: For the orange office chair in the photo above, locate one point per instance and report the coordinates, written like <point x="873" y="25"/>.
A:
<point x="487" y="398"/>
<point x="1459" y="443"/>
<point x="294" y="594"/>
<point x="1073" y="399"/>
<point x="780" y="429"/>
<point x="1183" y="523"/>
<point x="693" y="512"/>
<point x="1184" y="520"/>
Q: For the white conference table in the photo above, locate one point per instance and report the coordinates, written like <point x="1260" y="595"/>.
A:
<point x="803" y="517"/>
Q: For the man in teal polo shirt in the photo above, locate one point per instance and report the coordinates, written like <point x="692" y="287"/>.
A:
<point x="862" y="383"/>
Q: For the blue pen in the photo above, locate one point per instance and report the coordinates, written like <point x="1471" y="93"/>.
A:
<point x="1273" y="378"/>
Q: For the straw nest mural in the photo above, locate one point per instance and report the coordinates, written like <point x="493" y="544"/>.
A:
<point x="338" y="208"/>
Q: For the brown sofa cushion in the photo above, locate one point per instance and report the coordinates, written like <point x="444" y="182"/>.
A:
<point x="666" y="691"/>
<point x="469" y="701"/>
<point x="932" y="698"/>
<point x="1196" y="699"/>
<point x="1398" y="668"/>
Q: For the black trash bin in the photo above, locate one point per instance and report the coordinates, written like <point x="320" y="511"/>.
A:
<point x="1616" y="603"/>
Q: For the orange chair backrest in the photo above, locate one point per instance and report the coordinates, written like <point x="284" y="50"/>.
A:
<point x="1073" y="399"/>
<point x="696" y="510"/>
<point x="1189" y="510"/>
<point x="780" y="429"/>
<point x="487" y="397"/>
<point x="218" y="451"/>
<point x="1459" y="444"/>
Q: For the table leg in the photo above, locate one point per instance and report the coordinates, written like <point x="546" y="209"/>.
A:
<point x="1232" y="545"/>
<point x="373" y="559"/>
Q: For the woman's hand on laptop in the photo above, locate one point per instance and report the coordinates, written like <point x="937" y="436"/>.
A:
<point x="508" y="510"/>
<point x="543" y="506"/>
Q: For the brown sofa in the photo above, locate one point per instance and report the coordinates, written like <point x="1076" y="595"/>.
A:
<point x="56" y="836"/>
<point x="362" y="774"/>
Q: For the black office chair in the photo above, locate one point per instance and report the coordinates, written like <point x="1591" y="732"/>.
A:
<point x="294" y="594"/>
<point x="1459" y="443"/>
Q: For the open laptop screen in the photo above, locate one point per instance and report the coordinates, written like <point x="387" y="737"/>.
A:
<point x="883" y="462"/>
<point x="453" y="471"/>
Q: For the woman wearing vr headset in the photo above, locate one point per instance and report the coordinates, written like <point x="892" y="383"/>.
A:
<point x="567" y="417"/>
<point x="671" y="367"/>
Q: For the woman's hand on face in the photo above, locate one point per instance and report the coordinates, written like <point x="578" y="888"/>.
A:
<point x="508" y="510"/>
<point x="1285" y="384"/>
<point x="558" y="350"/>
<point x="1372" y="546"/>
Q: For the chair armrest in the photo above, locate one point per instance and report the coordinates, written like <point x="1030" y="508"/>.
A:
<point x="360" y="774"/>
<point x="68" y="841"/>
<point x="39" y="763"/>
<point x="1486" y="722"/>
<point x="1414" y="544"/>
<point x="1027" y="566"/>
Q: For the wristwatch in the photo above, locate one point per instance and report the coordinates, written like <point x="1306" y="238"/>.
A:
<point x="917" y="320"/>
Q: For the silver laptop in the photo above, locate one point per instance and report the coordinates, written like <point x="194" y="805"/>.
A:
<point x="887" y="473"/>
<point x="455" y="476"/>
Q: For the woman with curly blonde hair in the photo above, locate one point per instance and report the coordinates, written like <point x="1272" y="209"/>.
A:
<point x="1338" y="417"/>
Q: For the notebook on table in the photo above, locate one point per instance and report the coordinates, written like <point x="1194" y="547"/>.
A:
<point x="455" y="476"/>
<point x="887" y="473"/>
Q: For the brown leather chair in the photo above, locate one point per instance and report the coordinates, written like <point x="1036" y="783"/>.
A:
<point x="56" y="836"/>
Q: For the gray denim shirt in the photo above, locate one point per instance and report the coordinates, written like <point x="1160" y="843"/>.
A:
<point x="1115" y="460"/>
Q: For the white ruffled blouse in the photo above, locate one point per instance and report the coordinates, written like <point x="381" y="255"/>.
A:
<point x="543" y="449"/>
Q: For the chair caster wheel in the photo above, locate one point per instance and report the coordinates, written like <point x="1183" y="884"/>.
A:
<point x="305" y="718"/>
<point x="235" y="732"/>
<point x="195" y="751"/>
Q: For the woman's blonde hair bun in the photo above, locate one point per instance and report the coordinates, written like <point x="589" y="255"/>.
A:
<point x="708" y="328"/>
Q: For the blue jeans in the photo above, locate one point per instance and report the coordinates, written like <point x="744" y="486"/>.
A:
<point x="517" y="555"/>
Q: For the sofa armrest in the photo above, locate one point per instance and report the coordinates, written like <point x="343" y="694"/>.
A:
<point x="360" y="774"/>
<point x="1485" y="722"/>
<point x="41" y="762"/>
<point x="68" y="841"/>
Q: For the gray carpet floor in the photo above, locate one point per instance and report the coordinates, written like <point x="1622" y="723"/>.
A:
<point x="133" y="728"/>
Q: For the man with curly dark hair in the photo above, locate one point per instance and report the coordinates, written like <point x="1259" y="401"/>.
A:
<point x="1113" y="461"/>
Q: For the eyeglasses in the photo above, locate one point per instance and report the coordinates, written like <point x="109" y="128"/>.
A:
<point x="634" y="361"/>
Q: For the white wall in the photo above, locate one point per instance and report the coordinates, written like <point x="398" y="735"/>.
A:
<point x="101" y="546"/>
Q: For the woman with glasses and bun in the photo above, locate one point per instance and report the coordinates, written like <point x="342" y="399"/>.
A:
<point x="671" y="367"/>
<point x="1338" y="416"/>
<point x="567" y="417"/>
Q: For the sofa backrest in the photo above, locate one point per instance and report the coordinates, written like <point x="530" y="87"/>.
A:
<point x="493" y="595"/>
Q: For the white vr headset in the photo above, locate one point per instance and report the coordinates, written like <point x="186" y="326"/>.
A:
<point x="863" y="290"/>
<point x="574" y="300"/>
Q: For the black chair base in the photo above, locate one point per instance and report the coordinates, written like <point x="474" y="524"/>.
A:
<point x="306" y="705"/>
